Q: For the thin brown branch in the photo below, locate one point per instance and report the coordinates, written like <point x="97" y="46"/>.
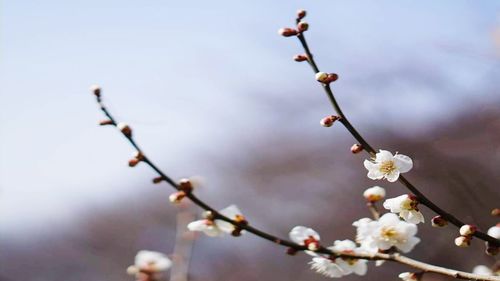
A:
<point x="283" y="242"/>
<point x="369" y="149"/>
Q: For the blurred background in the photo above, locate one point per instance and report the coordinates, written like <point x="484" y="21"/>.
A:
<point x="211" y="91"/>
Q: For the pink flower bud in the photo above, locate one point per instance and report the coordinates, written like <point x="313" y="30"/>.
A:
<point x="356" y="148"/>
<point x="125" y="129"/>
<point x="106" y="122"/>
<point x="438" y="221"/>
<point x="287" y="32"/>
<point x="96" y="90"/>
<point x="158" y="179"/>
<point x="328" y="120"/>
<point x="177" y="197"/>
<point x="300" y="58"/>
<point x="301" y="14"/>
<point x="302" y="26"/>
<point x="326" y="78"/>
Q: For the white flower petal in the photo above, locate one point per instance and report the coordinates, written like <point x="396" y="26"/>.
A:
<point x="383" y="155"/>
<point x="231" y="211"/>
<point x="494" y="231"/>
<point x="153" y="261"/>
<point x="198" y="225"/>
<point x="482" y="270"/>
<point x="403" y="163"/>
<point x="392" y="176"/>
<point x="300" y="233"/>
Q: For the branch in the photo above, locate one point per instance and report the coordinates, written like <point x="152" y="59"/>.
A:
<point x="283" y="242"/>
<point x="369" y="149"/>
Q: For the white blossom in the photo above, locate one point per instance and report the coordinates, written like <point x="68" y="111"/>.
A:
<point x="494" y="231"/>
<point x="347" y="264"/>
<point x="152" y="262"/>
<point x="388" y="166"/>
<point x="305" y="236"/>
<point x="374" y="193"/>
<point x="326" y="267"/>
<point x="406" y="206"/>
<point x="385" y="233"/>
<point x="215" y="228"/>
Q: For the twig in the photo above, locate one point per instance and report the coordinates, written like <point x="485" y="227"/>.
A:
<point x="283" y="242"/>
<point x="369" y="149"/>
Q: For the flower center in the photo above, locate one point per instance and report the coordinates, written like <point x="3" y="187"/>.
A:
<point x="387" y="167"/>
<point x="389" y="233"/>
<point x="349" y="260"/>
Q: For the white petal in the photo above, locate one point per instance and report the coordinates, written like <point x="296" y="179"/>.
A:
<point x="383" y="156"/>
<point x="393" y="176"/>
<point x="408" y="245"/>
<point x="224" y="226"/>
<point x="403" y="162"/>
<point x="360" y="268"/>
<point x="213" y="231"/>
<point x="389" y="219"/>
<point x="482" y="270"/>
<point x="231" y="211"/>
<point x="199" y="225"/>
<point x="343" y="245"/>
<point x="494" y="231"/>
<point x="150" y="260"/>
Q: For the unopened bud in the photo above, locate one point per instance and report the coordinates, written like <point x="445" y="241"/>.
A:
<point x="132" y="270"/>
<point x="236" y="232"/>
<point x="106" y="122"/>
<point x="328" y="120"/>
<point x="326" y="78"/>
<point x="409" y="276"/>
<point x="177" y="197"/>
<point x="209" y="215"/>
<point x="491" y="250"/>
<point x="300" y="58"/>
<point x="463" y="241"/>
<point x="467" y="229"/>
<point x="495" y="212"/>
<point x="291" y="251"/>
<point x="287" y="32"/>
<point x="185" y="185"/>
<point x="158" y="179"/>
<point x="240" y="219"/>
<point x="374" y="194"/>
<point x="125" y="129"/>
<point x="302" y="26"/>
<point x="96" y="90"/>
<point x="438" y="221"/>
<point x="301" y="14"/>
<point x="133" y="162"/>
<point x="356" y="148"/>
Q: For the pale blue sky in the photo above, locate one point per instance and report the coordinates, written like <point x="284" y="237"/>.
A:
<point x="190" y="76"/>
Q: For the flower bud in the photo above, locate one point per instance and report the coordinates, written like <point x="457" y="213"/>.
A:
<point x="96" y="90"/>
<point x="374" y="194"/>
<point x="291" y="251"/>
<point x="301" y="14"/>
<point x="438" y="221"/>
<point x="106" y="122"/>
<point x="328" y="120"/>
<point x="326" y="78"/>
<point x="236" y="232"/>
<point x="302" y="26"/>
<point x="494" y="231"/>
<point x="467" y="229"/>
<point x="409" y="276"/>
<point x="287" y="32"/>
<point x="495" y="212"/>
<point x="185" y="185"/>
<point x="463" y="241"/>
<point x="177" y="197"/>
<point x="158" y="179"/>
<point x="356" y="148"/>
<point x="321" y="77"/>
<point x="132" y="270"/>
<point x="133" y="162"/>
<point x="125" y="129"/>
<point x="299" y="58"/>
<point x="312" y="244"/>
<point x="209" y="215"/>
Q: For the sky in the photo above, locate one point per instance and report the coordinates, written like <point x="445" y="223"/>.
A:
<point x="197" y="78"/>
